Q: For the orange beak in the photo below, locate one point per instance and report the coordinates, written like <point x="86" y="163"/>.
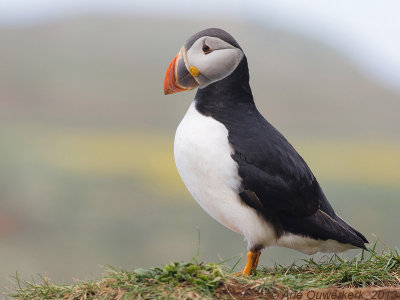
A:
<point x="171" y="85"/>
<point x="177" y="77"/>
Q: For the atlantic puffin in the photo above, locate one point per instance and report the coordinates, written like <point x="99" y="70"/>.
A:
<point x="237" y="166"/>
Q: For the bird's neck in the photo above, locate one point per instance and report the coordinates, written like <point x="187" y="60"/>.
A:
<point x="226" y="93"/>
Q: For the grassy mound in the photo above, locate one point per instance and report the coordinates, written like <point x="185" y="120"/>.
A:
<point x="213" y="281"/>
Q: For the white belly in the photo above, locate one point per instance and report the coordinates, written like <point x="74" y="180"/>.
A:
<point x="203" y="159"/>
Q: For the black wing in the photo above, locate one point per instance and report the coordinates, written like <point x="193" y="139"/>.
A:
<point x="277" y="182"/>
<point x="272" y="169"/>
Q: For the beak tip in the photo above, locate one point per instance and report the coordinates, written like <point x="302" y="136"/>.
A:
<point x="170" y="91"/>
<point x="167" y="88"/>
<point x="170" y="78"/>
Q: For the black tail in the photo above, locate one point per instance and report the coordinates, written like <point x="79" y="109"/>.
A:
<point x="359" y="239"/>
<point x="324" y="227"/>
<point x="348" y="227"/>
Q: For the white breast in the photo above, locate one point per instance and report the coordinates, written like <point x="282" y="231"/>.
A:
<point x="203" y="159"/>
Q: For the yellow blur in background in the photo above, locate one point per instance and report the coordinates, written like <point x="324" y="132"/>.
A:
<point x="148" y="157"/>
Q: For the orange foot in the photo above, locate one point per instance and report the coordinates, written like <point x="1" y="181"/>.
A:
<point x="251" y="263"/>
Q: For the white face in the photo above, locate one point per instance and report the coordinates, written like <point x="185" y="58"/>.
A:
<point x="214" y="58"/>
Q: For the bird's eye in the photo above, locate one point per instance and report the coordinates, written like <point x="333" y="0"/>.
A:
<point x="206" y="49"/>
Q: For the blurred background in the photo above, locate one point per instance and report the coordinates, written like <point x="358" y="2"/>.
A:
<point x="87" y="176"/>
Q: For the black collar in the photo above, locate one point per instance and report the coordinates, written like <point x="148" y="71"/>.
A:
<point x="228" y="92"/>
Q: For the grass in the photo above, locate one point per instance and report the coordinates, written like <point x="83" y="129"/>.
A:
<point x="174" y="280"/>
<point x="194" y="280"/>
<point x="365" y="270"/>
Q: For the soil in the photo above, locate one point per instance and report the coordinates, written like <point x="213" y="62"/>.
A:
<point x="236" y="290"/>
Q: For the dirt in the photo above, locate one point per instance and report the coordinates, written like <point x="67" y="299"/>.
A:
<point x="237" y="290"/>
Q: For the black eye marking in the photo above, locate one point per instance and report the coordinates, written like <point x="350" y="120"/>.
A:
<point x="206" y="49"/>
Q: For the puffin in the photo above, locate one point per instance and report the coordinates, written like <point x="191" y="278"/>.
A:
<point x="239" y="168"/>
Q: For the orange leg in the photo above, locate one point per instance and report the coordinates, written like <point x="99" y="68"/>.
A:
<point x="256" y="262"/>
<point x="251" y="263"/>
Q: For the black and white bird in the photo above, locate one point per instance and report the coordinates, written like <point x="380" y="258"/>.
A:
<point x="237" y="166"/>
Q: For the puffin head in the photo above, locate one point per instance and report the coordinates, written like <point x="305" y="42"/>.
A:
<point x="206" y="57"/>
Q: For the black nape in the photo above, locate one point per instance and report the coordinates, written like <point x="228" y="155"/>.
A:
<point x="231" y="90"/>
